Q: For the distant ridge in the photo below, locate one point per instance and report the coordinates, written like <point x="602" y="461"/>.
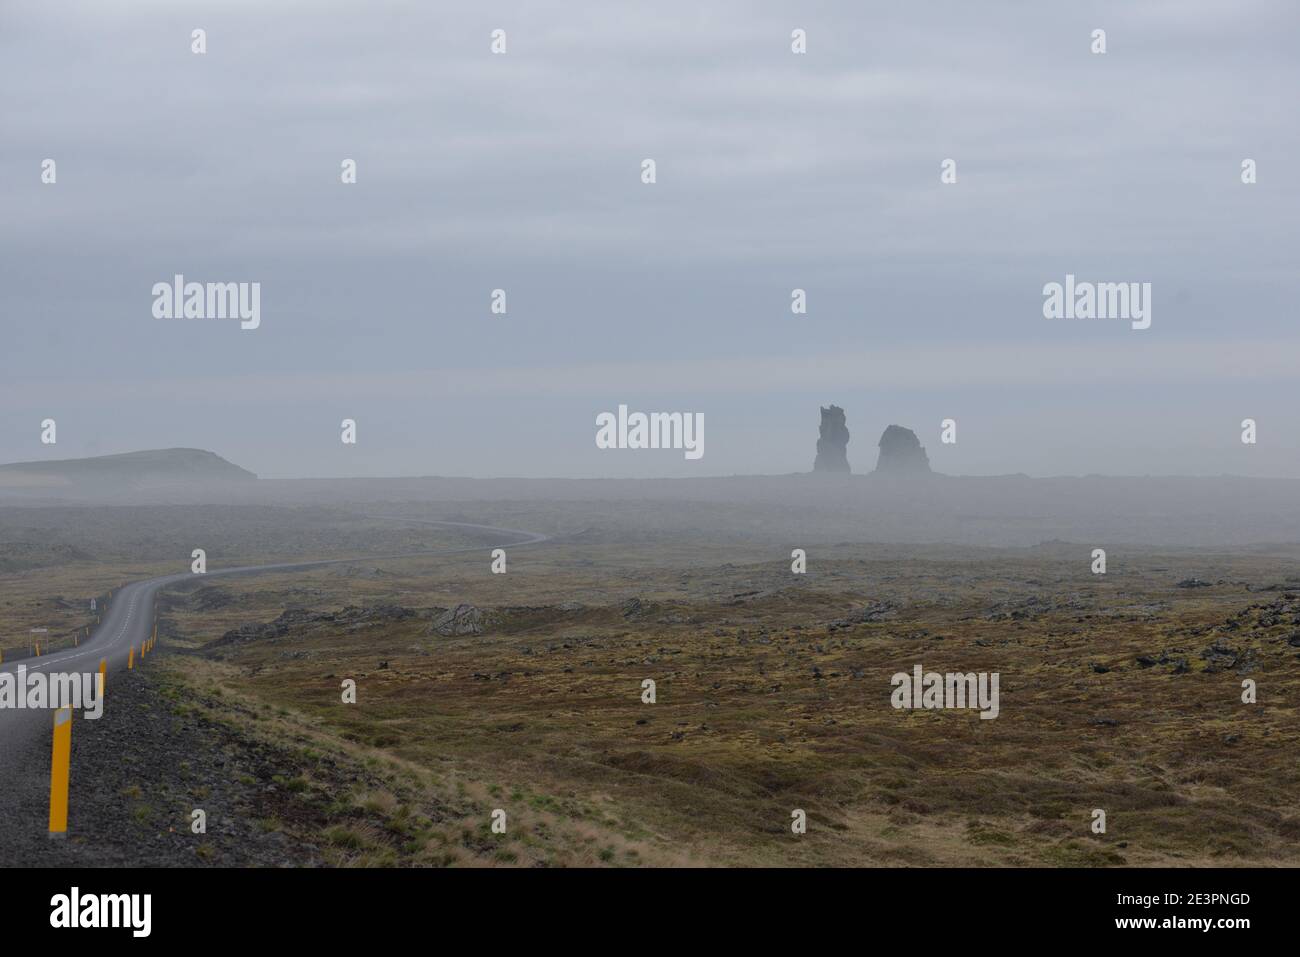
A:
<point x="128" y="470"/>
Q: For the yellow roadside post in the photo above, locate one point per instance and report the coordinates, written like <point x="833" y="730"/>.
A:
<point x="59" y="772"/>
<point x="130" y="658"/>
<point x="38" y="649"/>
<point x="103" y="673"/>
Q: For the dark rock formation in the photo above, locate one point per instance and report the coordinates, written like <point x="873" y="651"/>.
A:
<point x="901" y="453"/>
<point x="294" y="621"/>
<point x="634" y="608"/>
<point x="832" y="442"/>
<point x="462" y="620"/>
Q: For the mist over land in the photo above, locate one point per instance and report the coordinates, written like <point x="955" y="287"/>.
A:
<point x="1011" y="510"/>
<point x="521" y="691"/>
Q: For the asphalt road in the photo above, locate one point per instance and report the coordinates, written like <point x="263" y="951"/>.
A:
<point x="25" y="734"/>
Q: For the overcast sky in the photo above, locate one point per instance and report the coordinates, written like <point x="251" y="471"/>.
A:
<point x="775" y="171"/>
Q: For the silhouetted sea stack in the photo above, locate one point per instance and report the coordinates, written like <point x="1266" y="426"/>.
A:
<point x="901" y="453"/>
<point x="832" y="442"/>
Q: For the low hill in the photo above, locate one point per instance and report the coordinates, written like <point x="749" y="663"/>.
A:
<point x="127" y="471"/>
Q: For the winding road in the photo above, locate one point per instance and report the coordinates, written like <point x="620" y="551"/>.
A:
<point x="25" y="733"/>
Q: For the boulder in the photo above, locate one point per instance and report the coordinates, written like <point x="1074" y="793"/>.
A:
<point x="461" y="620"/>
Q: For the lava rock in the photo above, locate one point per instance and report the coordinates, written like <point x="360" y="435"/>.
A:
<point x="462" y="620"/>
